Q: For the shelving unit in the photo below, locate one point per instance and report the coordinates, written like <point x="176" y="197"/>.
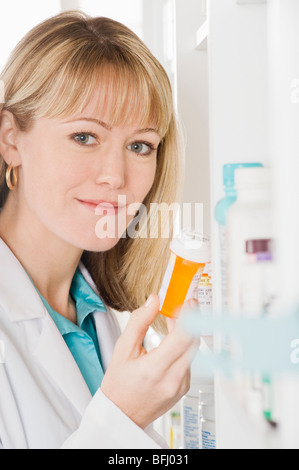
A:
<point x="251" y="49"/>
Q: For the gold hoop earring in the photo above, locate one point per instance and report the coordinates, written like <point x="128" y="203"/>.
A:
<point x="11" y="182"/>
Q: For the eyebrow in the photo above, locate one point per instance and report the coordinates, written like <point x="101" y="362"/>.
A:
<point x="109" y="128"/>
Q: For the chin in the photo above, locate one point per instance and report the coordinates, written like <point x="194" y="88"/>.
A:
<point x="96" y="245"/>
<point x="102" y="245"/>
<point x="96" y="240"/>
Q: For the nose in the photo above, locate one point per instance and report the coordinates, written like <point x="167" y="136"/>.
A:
<point x="111" y="170"/>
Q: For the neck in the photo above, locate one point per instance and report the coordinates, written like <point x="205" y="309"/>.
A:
<point x="48" y="260"/>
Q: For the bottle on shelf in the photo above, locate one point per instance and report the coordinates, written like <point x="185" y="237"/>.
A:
<point x="249" y="223"/>
<point x="190" y="405"/>
<point x="252" y="271"/>
<point x="221" y="210"/>
<point x="207" y="426"/>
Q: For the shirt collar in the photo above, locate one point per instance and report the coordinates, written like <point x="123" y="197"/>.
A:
<point x="87" y="302"/>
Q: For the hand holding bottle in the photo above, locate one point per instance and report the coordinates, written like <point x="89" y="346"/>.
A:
<point x="144" y="385"/>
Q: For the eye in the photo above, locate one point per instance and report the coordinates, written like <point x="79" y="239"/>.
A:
<point x="85" y="138"/>
<point x="142" y="148"/>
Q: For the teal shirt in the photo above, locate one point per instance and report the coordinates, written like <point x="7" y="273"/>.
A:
<point x="81" y="339"/>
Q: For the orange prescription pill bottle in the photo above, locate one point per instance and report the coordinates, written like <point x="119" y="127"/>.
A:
<point x="189" y="255"/>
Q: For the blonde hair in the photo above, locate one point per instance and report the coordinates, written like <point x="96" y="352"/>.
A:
<point x="53" y="72"/>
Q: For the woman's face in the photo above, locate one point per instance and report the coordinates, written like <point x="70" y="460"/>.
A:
<point x="79" y="176"/>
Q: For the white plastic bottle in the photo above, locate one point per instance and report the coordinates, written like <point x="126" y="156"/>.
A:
<point x="189" y="417"/>
<point x="258" y="278"/>
<point x="249" y="218"/>
<point x="208" y="426"/>
<point x="205" y="398"/>
<point x="221" y="209"/>
<point x="190" y="403"/>
<point x="252" y="279"/>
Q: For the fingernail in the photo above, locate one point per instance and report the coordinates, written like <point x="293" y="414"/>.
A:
<point x="149" y="301"/>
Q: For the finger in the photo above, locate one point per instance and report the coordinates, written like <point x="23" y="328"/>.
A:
<point x="189" y="304"/>
<point x="139" y="323"/>
<point x="170" y="324"/>
<point x="173" y="346"/>
<point x="177" y="375"/>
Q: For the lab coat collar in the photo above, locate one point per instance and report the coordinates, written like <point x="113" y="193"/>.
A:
<point x="53" y="354"/>
<point x="18" y="296"/>
<point x="22" y="303"/>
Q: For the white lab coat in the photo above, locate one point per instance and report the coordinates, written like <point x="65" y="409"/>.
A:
<point x="44" y="400"/>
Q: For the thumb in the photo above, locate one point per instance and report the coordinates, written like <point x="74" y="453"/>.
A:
<point x="139" y="322"/>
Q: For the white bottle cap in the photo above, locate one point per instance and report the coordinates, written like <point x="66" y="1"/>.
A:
<point x="206" y="397"/>
<point x="252" y="178"/>
<point x="192" y="247"/>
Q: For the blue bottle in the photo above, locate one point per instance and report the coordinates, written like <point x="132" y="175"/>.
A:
<point x="220" y="215"/>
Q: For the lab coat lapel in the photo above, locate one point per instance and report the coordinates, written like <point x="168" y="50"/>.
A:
<point x="108" y="332"/>
<point x="106" y="324"/>
<point x="54" y="356"/>
<point x="45" y="340"/>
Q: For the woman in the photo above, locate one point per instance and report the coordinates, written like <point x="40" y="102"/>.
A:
<point x="87" y="131"/>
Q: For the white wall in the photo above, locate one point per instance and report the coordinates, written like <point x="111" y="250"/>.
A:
<point x="193" y="104"/>
<point x="129" y="12"/>
<point x="18" y="17"/>
<point x="169" y="28"/>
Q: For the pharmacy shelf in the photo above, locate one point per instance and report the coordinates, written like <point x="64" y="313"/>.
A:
<point x="239" y="130"/>
<point x="254" y="117"/>
<point x="236" y="426"/>
<point x="252" y="111"/>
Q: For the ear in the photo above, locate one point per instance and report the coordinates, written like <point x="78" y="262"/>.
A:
<point x="8" y="139"/>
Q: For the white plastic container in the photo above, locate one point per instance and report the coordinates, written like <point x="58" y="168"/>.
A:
<point x="252" y="276"/>
<point x="205" y="398"/>
<point x="249" y="218"/>
<point x="199" y="391"/>
<point x="208" y="426"/>
<point x="189" y="418"/>
<point x="221" y="210"/>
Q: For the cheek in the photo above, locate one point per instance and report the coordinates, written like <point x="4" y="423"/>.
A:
<point x="48" y="174"/>
<point x="143" y="182"/>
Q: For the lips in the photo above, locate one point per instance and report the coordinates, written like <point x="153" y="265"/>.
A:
<point x="101" y="207"/>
